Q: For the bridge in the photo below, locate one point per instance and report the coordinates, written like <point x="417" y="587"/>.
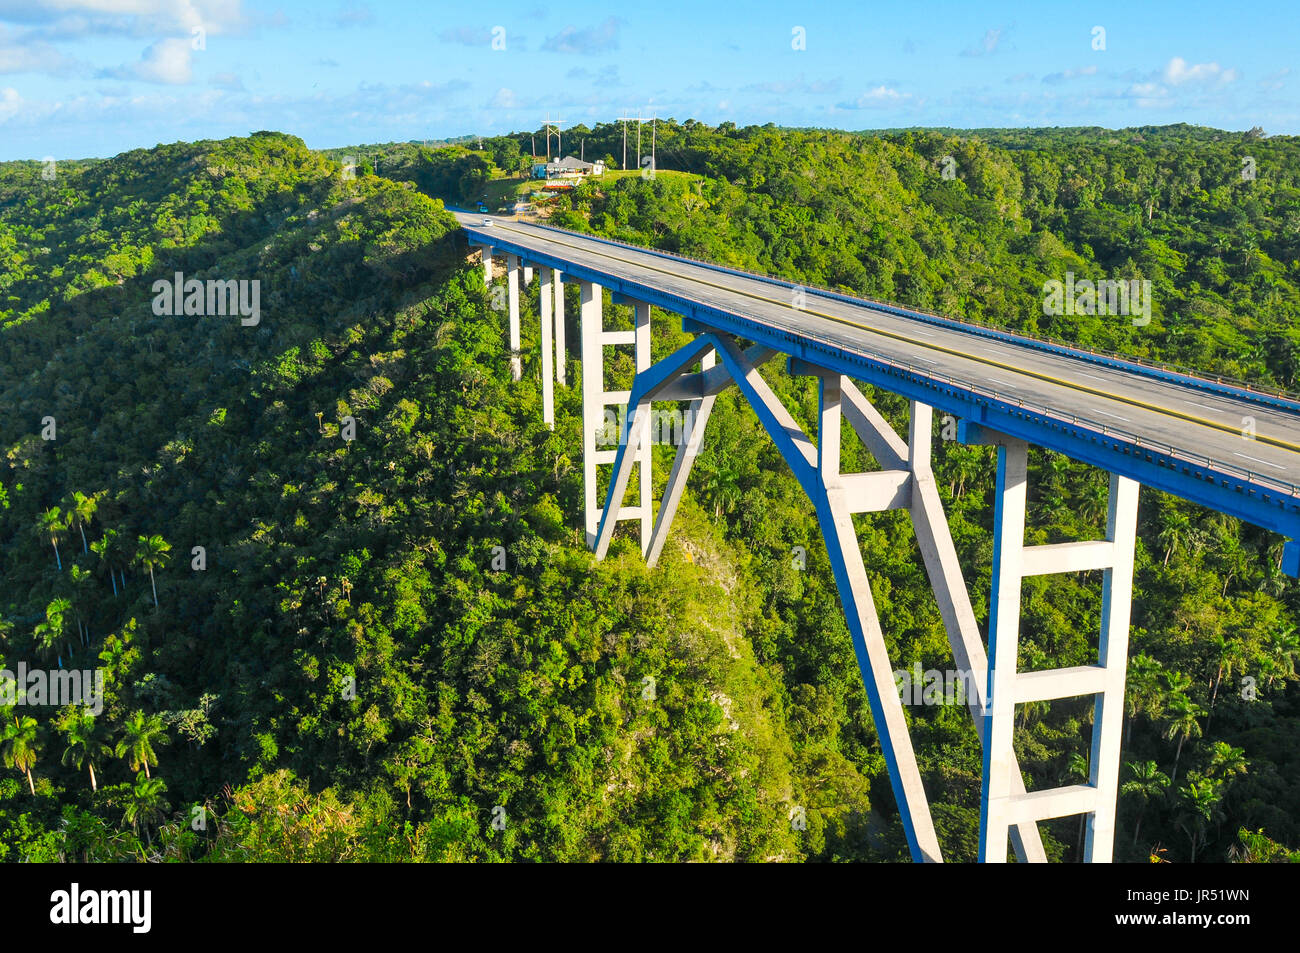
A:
<point x="1217" y="443"/>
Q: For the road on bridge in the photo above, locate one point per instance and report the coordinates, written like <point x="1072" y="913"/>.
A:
<point x="1191" y="420"/>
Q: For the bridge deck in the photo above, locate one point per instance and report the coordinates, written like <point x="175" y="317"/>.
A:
<point x="1183" y="435"/>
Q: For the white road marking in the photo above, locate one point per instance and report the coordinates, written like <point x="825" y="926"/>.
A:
<point x="1213" y="410"/>
<point x="1093" y="376"/>
<point x="1275" y="466"/>
<point x="1116" y="416"/>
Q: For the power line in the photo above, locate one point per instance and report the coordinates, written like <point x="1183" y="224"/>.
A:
<point x="559" y="143"/>
<point x="638" y="119"/>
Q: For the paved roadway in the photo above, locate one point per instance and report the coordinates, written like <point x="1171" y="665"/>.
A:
<point x="1193" y="421"/>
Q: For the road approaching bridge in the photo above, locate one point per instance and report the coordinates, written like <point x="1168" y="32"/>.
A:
<point x="1219" y="444"/>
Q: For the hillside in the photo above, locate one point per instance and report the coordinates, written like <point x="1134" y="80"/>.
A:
<point x="354" y="675"/>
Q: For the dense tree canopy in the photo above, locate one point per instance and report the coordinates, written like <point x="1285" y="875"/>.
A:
<point x="377" y="633"/>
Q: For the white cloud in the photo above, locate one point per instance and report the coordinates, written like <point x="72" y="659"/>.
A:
<point x="504" y="99"/>
<point x="65" y="19"/>
<point x="594" y="39"/>
<point x="10" y="102"/>
<point x="1275" y="79"/>
<point x="880" y="96"/>
<point x="169" y="62"/>
<point x="21" y="54"/>
<point x="1147" y="95"/>
<point x="1054" y="78"/>
<point x="1178" y="72"/>
<point x="227" y="81"/>
<point x="986" y="46"/>
<point x="797" y="85"/>
<point x="173" y="27"/>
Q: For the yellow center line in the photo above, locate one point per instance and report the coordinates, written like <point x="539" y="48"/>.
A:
<point x="1191" y="418"/>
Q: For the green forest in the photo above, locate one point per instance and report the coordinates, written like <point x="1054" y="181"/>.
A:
<point x="332" y="568"/>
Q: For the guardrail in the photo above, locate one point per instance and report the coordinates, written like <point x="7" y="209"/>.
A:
<point x="1105" y="431"/>
<point x="1243" y="389"/>
<point x="1099" y="429"/>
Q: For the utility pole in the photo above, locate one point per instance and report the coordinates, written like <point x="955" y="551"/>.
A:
<point x="558" y="142"/>
<point x="638" y="118"/>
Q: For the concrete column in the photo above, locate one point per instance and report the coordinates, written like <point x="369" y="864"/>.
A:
<point x="593" y="403"/>
<point x="828" y="433"/>
<point x="1004" y="636"/>
<point x="697" y="418"/>
<point x="487" y="266"/>
<point x="1112" y="655"/>
<point x="548" y="395"/>
<point x="920" y="429"/>
<point x="845" y="554"/>
<point x="647" y="446"/>
<point x="559" y="326"/>
<point x="512" y="285"/>
<point x="528" y="275"/>
<point x="934" y="539"/>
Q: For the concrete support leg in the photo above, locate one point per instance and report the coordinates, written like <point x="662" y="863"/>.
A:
<point x="593" y="405"/>
<point x="648" y="385"/>
<point x="934" y="539"/>
<point x="1002" y="803"/>
<point x="646" y="456"/>
<point x="512" y="286"/>
<point x="694" y="421"/>
<point x="1004" y="636"/>
<point x="548" y="394"/>
<point x="836" y="519"/>
<point x="559" y="326"/>
<point x="1112" y="655"/>
<point x="487" y="266"/>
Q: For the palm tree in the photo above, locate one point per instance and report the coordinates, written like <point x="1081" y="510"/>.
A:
<point x="1183" y="713"/>
<point x="85" y="746"/>
<point x="1230" y="655"/>
<point x="140" y="733"/>
<point x="1249" y="248"/>
<point x="1174" y="530"/>
<point x="81" y="510"/>
<point x="51" y="525"/>
<point x="1078" y="771"/>
<point x="79" y="579"/>
<point x="1147" y="781"/>
<point x="1201" y="799"/>
<point x="1225" y="761"/>
<point x="962" y="463"/>
<point x="106" y="548"/>
<point x="1284" y="648"/>
<point x="50" y="632"/>
<point x="1143" y="692"/>
<point x="21" y="746"/>
<point x="721" y="484"/>
<point x="152" y="551"/>
<point x="1232" y="558"/>
<point x="145" y="804"/>
<point x="1095" y="502"/>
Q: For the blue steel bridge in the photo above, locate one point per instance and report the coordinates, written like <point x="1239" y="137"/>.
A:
<point x="1220" y="444"/>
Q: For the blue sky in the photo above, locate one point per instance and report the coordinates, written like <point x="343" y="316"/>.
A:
<point x="97" y="77"/>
